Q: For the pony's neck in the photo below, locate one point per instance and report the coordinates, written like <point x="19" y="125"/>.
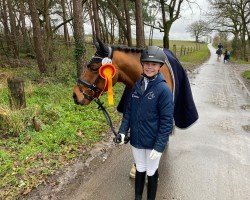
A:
<point x="128" y="65"/>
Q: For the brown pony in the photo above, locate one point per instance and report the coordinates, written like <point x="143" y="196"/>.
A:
<point x="128" y="70"/>
<point x="90" y="85"/>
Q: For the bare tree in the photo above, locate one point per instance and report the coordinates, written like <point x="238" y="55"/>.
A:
<point x="170" y="13"/>
<point x="90" y="11"/>
<point x="13" y="32"/>
<point x="65" y="29"/>
<point x="198" y="29"/>
<point x="120" y="18"/>
<point x="6" y="27"/>
<point x="152" y="8"/>
<point x="37" y="36"/>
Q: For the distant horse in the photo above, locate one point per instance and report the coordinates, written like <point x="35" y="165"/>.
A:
<point x="126" y="60"/>
<point x="219" y="52"/>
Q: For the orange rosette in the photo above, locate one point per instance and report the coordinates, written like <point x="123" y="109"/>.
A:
<point x="107" y="72"/>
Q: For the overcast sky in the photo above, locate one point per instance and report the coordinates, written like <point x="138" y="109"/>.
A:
<point x="178" y="29"/>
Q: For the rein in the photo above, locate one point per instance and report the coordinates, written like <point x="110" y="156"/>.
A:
<point x="109" y="122"/>
<point x="106" y="115"/>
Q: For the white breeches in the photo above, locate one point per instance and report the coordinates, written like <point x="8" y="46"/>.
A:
<point x="143" y="162"/>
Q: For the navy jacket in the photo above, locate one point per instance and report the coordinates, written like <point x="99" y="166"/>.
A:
<point x="185" y="112"/>
<point x="149" y="115"/>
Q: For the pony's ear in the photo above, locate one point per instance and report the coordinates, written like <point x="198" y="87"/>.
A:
<point x="96" y="43"/>
<point x="102" y="49"/>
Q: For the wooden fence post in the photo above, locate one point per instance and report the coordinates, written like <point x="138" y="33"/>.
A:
<point x="181" y="53"/>
<point x="174" y="49"/>
<point x="16" y="93"/>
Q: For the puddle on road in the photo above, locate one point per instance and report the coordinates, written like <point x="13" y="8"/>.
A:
<point x="245" y="107"/>
<point x="246" y="128"/>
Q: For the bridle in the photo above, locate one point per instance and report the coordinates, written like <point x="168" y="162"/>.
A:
<point x="91" y="86"/>
<point x="97" y="92"/>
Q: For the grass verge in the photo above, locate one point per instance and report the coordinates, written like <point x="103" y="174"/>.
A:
<point x="246" y="74"/>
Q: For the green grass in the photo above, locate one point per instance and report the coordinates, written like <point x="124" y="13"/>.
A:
<point x="67" y="130"/>
<point x="196" y="57"/>
<point x="246" y="74"/>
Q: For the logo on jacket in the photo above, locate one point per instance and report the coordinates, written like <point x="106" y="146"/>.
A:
<point x="150" y="95"/>
<point x="135" y="95"/>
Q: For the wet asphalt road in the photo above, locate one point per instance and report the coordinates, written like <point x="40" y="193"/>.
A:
<point x="208" y="161"/>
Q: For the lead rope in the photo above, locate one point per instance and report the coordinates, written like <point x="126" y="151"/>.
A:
<point x="106" y="115"/>
<point x="109" y="121"/>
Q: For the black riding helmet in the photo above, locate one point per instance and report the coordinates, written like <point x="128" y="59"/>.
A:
<point x="153" y="54"/>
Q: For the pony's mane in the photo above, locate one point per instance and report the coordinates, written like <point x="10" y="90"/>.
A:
<point x="127" y="49"/>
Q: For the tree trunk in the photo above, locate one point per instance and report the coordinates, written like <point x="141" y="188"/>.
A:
<point x="140" y="38"/>
<point x="90" y="11"/>
<point x="105" y="29"/>
<point x="48" y="32"/>
<point x="118" y="16"/>
<point x="128" y="23"/>
<point x="13" y="32"/>
<point x="167" y="27"/>
<point x="37" y="36"/>
<point x="96" y="19"/>
<point x="65" y="29"/>
<point x="16" y="93"/>
<point x="80" y="49"/>
<point x="6" y="27"/>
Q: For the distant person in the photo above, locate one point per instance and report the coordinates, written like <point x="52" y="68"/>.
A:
<point x="226" y="56"/>
<point x="220" y="46"/>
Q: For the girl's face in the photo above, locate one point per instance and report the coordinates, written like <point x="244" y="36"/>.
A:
<point x="151" y="68"/>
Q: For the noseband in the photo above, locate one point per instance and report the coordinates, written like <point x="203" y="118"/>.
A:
<point x="92" y="87"/>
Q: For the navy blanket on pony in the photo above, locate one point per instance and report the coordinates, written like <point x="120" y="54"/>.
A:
<point x="185" y="112"/>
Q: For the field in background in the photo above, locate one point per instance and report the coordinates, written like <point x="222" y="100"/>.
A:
<point x="68" y="131"/>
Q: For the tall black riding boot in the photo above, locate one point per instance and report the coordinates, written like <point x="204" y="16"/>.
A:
<point x="152" y="186"/>
<point x="139" y="184"/>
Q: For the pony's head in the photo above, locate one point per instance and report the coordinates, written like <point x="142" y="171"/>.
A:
<point x="90" y="84"/>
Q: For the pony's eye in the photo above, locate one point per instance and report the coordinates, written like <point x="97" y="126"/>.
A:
<point x="93" y="68"/>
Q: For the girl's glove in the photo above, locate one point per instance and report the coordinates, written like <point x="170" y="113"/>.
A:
<point x="154" y="154"/>
<point x="119" y="139"/>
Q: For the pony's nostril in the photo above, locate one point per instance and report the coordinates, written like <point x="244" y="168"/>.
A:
<point x="75" y="99"/>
